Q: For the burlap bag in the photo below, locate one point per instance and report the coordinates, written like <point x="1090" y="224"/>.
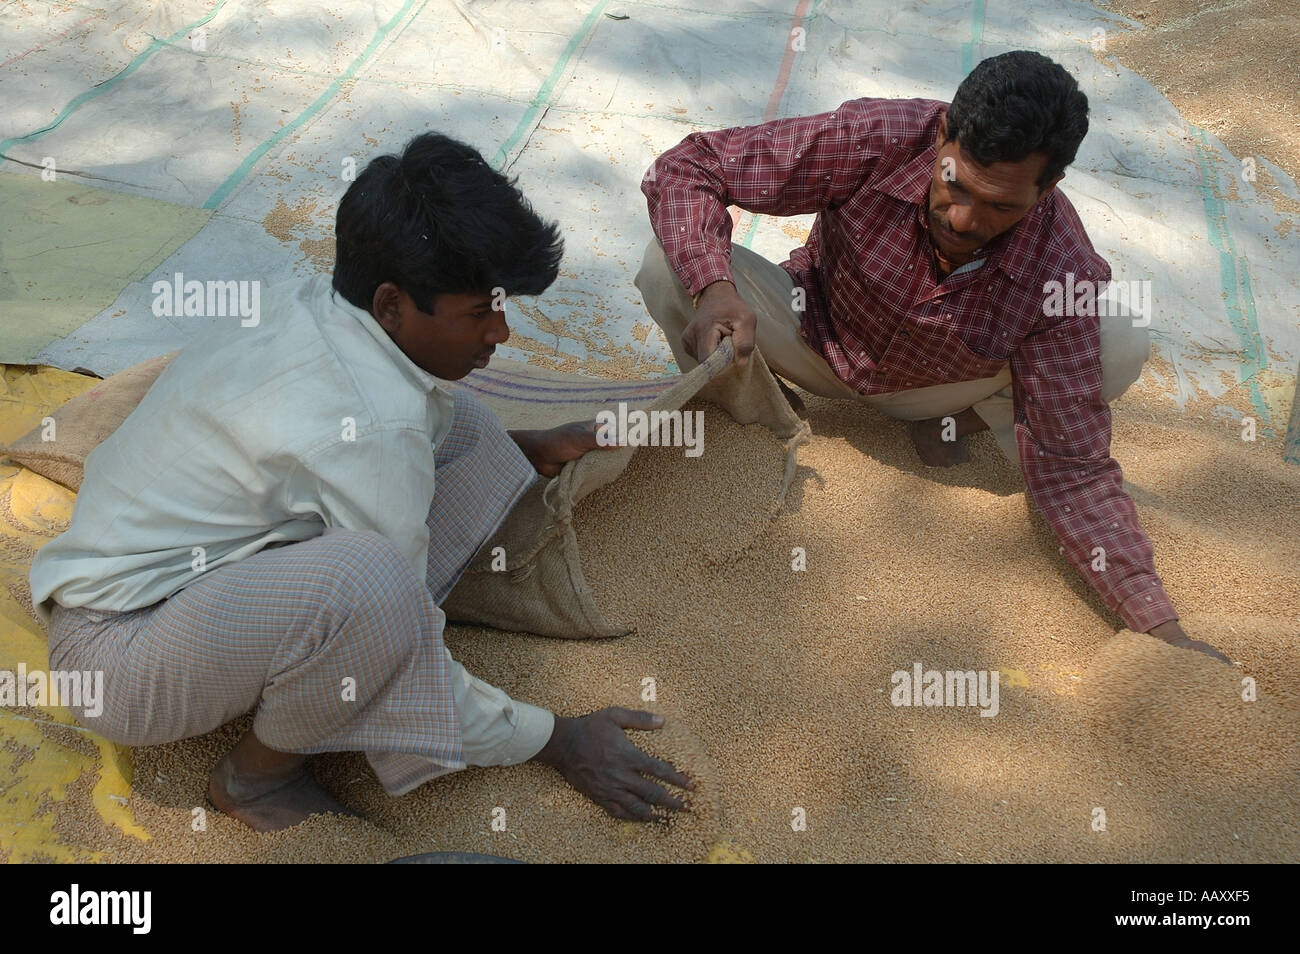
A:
<point x="542" y="589"/>
<point x="84" y="423"/>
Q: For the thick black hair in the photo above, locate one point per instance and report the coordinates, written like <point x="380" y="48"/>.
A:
<point x="1016" y="104"/>
<point x="439" y="220"/>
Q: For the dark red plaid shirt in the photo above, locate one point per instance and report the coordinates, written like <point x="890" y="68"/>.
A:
<point x="877" y="315"/>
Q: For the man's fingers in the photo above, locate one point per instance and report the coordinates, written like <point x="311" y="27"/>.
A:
<point x="634" y="807"/>
<point x="1208" y="650"/>
<point x="1201" y="647"/>
<point x="635" y="718"/>
<point x="589" y="432"/>
<point x="711" y="338"/>
<point x="652" y="794"/>
<point x="742" y="339"/>
<point x="616" y="809"/>
<point x="661" y="769"/>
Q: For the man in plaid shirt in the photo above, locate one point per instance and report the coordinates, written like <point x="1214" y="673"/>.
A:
<point x="926" y="290"/>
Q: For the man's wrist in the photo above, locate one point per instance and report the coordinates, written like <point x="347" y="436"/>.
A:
<point x="1169" y="631"/>
<point x="527" y="442"/>
<point x="557" y="746"/>
<point x="723" y="285"/>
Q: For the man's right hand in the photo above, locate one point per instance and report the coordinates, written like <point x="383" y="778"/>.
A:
<point x="721" y="313"/>
<point x="595" y="757"/>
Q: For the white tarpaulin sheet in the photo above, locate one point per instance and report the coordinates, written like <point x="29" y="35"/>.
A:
<point x="254" y="109"/>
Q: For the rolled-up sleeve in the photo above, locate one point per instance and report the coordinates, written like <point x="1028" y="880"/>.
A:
<point x="495" y="729"/>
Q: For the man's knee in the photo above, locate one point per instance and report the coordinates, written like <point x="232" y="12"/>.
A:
<point x="654" y="268"/>
<point x="370" y="571"/>
<point x="1125" y="350"/>
<point x="665" y="297"/>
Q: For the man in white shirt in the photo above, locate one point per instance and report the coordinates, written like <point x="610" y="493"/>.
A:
<point x="274" y="526"/>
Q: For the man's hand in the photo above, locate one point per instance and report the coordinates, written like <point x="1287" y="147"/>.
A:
<point x="548" y="451"/>
<point x="721" y="313"/>
<point x="595" y="757"/>
<point x="1173" y="634"/>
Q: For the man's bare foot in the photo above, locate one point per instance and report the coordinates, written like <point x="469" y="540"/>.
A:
<point x="934" y="451"/>
<point x="268" y="790"/>
<point x="928" y="437"/>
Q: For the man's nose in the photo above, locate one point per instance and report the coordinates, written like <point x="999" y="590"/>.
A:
<point x="961" y="218"/>
<point x="499" y="333"/>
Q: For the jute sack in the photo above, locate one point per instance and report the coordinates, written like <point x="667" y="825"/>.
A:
<point x="84" y="423"/>
<point x="542" y="589"/>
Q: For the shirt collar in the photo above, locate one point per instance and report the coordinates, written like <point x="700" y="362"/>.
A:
<point x="910" y="180"/>
<point x="413" y="373"/>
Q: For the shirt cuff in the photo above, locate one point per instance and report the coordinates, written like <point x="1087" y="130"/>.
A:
<point x="702" y="273"/>
<point x="1146" y="610"/>
<point x="533" y="730"/>
<point x="495" y="729"/>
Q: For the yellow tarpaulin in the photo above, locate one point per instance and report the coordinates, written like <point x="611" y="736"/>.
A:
<point x="35" y="766"/>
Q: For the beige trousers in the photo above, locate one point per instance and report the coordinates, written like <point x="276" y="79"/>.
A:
<point x="767" y="288"/>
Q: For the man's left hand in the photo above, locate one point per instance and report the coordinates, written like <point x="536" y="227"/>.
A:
<point x="1173" y="634"/>
<point x="548" y="451"/>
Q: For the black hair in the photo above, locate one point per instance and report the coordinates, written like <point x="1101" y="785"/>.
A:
<point x="1016" y="104"/>
<point x="439" y="220"/>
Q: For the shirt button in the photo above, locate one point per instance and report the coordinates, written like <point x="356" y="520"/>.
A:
<point x="1067" y="510"/>
<point x="1004" y="334"/>
<point x="893" y="140"/>
<point x="764" y="192"/>
<point x="1148" y="599"/>
<point x="1114" y="526"/>
<point x="909" y="268"/>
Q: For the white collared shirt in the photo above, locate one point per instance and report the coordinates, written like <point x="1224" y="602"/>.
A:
<point x="320" y="420"/>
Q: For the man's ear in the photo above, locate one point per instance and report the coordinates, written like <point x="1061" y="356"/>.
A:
<point x="941" y="134"/>
<point x="1042" y="193"/>
<point x="386" y="306"/>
